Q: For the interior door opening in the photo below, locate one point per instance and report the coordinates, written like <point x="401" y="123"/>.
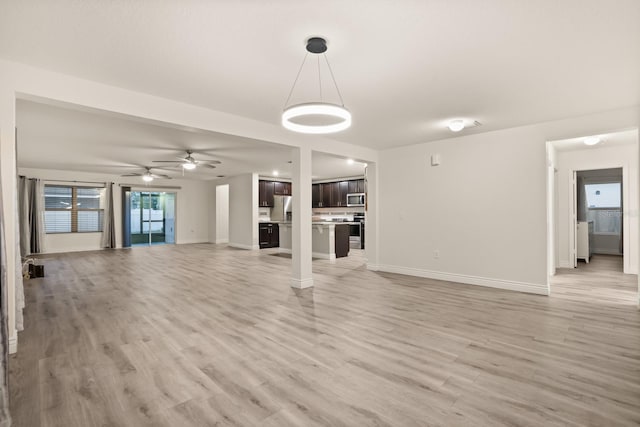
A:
<point x="599" y="216"/>
<point x="152" y="219"/>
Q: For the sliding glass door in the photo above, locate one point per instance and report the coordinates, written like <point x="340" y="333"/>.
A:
<point x="152" y="218"/>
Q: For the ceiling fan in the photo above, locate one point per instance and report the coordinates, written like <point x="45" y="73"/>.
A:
<point x="190" y="163"/>
<point x="148" y="176"/>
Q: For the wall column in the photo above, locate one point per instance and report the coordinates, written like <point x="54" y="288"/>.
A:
<point x="301" y="219"/>
<point x="371" y="217"/>
<point x="8" y="174"/>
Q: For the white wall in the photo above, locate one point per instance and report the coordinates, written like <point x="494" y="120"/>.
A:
<point x="243" y="210"/>
<point x="598" y="158"/>
<point x="192" y="210"/>
<point x="483" y="209"/>
<point x="222" y="214"/>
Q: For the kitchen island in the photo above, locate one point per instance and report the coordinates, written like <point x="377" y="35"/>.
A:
<point x="330" y="240"/>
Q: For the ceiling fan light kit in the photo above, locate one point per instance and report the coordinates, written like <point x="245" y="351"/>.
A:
<point x="321" y="117"/>
<point x="189" y="163"/>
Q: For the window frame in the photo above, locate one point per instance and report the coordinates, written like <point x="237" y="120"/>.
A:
<point x="74" y="209"/>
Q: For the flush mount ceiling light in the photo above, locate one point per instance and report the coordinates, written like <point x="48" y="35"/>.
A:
<point x="591" y="140"/>
<point x="456" y="125"/>
<point x="316" y="117"/>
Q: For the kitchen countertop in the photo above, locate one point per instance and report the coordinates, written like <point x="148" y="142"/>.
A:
<point x="315" y="222"/>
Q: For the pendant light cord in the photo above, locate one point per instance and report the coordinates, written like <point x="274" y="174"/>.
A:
<point x="334" y="79"/>
<point x="319" y="79"/>
<point x="296" y="81"/>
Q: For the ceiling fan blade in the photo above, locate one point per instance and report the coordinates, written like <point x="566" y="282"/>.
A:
<point x="155" y="175"/>
<point x="213" y="162"/>
<point x="132" y="174"/>
<point x="209" y="165"/>
<point x="166" y="161"/>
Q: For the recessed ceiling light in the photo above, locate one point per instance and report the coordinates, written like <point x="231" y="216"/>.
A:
<point x="456" y="125"/>
<point x="189" y="166"/>
<point x="350" y="161"/>
<point x="591" y="140"/>
<point x="275" y="173"/>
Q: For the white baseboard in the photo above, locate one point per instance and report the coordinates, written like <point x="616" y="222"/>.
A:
<point x="605" y="251"/>
<point x="13" y="344"/>
<point x="243" y="246"/>
<point x="221" y="241"/>
<point x="565" y="264"/>
<point x="301" y="283"/>
<point x="531" y="288"/>
<point x="330" y="257"/>
<point x="373" y="267"/>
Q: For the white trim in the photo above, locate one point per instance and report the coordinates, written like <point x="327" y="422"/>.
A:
<point x="565" y="264"/>
<point x="330" y="257"/>
<point x="13" y="344"/>
<point x="221" y="241"/>
<point x="301" y="283"/>
<point x="605" y="251"/>
<point x="373" y="267"/>
<point x="532" y="288"/>
<point x="243" y="246"/>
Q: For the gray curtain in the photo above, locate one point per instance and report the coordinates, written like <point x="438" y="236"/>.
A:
<point x="23" y="216"/>
<point x="108" y="224"/>
<point x="5" y="418"/>
<point x="36" y="215"/>
<point x="31" y="215"/>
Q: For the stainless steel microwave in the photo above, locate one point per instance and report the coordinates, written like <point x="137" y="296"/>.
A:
<point x="356" y="199"/>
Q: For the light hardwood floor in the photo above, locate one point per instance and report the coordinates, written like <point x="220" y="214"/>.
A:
<point x="200" y="335"/>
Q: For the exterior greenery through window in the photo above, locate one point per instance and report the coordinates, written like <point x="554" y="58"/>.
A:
<point x="72" y="209"/>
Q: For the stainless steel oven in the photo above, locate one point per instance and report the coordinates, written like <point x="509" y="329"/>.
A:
<point x="356" y="199"/>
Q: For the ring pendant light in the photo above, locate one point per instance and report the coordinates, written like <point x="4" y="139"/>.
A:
<point x="339" y="116"/>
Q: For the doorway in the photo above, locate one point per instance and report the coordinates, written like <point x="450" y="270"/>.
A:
<point x="222" y="214"/>
<point x="599" y="215"/>
<point x="152" y="219"/>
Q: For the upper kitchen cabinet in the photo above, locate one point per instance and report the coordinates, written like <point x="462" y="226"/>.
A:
<point x="267" y="189"/>
<point x="281" y="188"/>
<point x="334" y="194"/>
<point x="356" y="186"/>
<point x="265" y="193"/>
<point x="316" y="196"/>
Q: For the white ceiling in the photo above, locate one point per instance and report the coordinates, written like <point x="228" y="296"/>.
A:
<point x="51" y="137"/>
<point x="606" y="140"/>
<point x="404" y="67"/>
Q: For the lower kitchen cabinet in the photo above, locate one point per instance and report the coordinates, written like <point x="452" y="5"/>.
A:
<point x="342" y="240"/>
<point x="269" y="235"/>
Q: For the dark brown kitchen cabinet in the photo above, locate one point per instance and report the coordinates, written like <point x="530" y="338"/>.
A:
<point x="325" y="194"/>
<point x="356" y="186"/>
<point x="265" y="193"/>
<point x="281" y="188"/>
<point x="316" y="196"/>
<point x="334" y="194"/>
<point x="267" y="189"/>
<point x="269" y="235"/>
<point x="342" y="240"/>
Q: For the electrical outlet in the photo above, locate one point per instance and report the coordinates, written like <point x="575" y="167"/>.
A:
<point x="436" y="254"/>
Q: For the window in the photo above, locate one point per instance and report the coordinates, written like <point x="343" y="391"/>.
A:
<point x="604" y="207"/>
<point x="72" y="209"/>
<point x="603" y="195"/>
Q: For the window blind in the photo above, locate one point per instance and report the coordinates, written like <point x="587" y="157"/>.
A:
<point x="71" y="209"/>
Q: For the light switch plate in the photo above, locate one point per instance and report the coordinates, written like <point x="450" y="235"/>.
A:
<point x="435" y="159"/>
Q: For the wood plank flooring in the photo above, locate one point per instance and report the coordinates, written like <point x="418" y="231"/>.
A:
<point x="203" y="335"/>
